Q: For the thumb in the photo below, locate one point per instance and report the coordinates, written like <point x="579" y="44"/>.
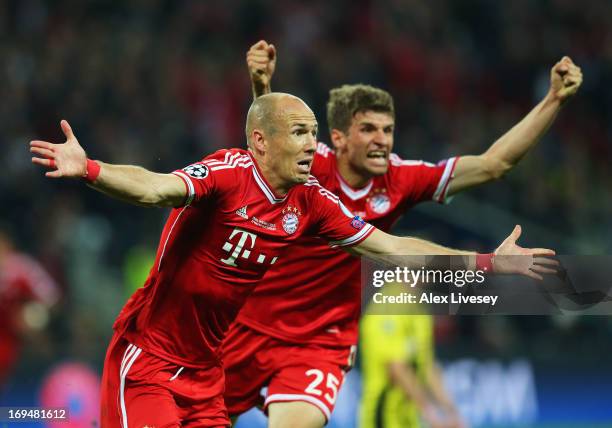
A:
<point x="66" y="129"/>
<point x="516" y="233"/>
<point x="562" y="68"/>
<point x="271" y="52"/>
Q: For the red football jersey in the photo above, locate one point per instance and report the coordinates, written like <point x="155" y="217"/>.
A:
<point x="313" y="293"/>
<point x="214" y="249"/>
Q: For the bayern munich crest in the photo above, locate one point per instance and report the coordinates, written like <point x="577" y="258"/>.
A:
<point x="291" y="219"/>
<point x="380" y="203"/>
<point x="197" y="170"/>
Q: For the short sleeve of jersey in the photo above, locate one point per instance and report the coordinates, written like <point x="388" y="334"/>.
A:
<point x="198" y="180"/>
<point x="334" y="222"/>
<point x="205" y="178"/>
<point x="421" y="181"/>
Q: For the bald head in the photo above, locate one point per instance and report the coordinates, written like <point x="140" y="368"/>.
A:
<point x="269" y="112"/>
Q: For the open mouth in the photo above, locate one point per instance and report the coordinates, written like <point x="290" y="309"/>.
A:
<point x="304" y="165"/>
<point x="377" y="154"/>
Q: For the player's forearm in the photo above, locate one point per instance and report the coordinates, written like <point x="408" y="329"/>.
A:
<point x="139" y="186"/>
<point x="260" y="89"/>
<point x="380" y="245"/>
<point x="408" y="382"/>
<point x="508" y="150"/>
<point x="422" y="252"/>
<point x="436" y="386"/>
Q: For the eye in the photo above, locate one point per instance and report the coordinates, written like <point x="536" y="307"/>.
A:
<point x="389" y="130"/>
<point x="368" y="128"/>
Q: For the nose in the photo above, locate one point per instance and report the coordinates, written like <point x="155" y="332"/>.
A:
<point x="311" y="144"/>
<point x="381" y="137"/>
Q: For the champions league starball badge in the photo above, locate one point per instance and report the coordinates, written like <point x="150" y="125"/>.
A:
<point x="291" y="219"/>
<point x="197" y="170"/>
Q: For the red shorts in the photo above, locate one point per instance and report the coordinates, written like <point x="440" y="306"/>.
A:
<point x="291" y="372"/>
<point x="140" y="389"/>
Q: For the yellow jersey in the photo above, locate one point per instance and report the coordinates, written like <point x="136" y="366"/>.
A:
<point x="387" y="338"/>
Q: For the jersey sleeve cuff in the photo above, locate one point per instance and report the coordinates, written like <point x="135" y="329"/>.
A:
<point x="188" y="185"/>
<point x="354" y="239"/>
<point x="440" y="195"/>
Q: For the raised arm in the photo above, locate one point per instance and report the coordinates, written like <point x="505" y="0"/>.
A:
<point x="533" y="263"/>
<point x="129" y="183"/>
<point x="507" y="151"/>
<point x="261" y="61"/>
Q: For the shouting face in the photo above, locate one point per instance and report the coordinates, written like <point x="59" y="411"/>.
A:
<point x="367" y="144"/>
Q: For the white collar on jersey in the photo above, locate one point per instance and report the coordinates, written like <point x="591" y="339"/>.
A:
<point x="263" y="185"/>
<point x="352" y="193"/>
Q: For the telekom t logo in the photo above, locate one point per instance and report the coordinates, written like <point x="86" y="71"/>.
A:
<point x="245" y="239"/>
<point x="244" y="235"/>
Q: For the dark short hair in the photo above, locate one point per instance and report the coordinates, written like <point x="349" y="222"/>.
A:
<point x="348" y="100"/>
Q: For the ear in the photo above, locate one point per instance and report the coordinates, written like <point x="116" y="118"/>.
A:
<point x="338" y="139"/>
<point x="258" y="141"/>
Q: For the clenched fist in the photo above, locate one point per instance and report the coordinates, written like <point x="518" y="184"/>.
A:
<point x="565" y="79"/>
<point x="261" y="61"/>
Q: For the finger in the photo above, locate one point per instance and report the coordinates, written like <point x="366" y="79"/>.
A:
<point x="541" y="252"/>
<point x="516" y="233"/>
<point x="256" y="66"/>
<point x="66" y="129"/>
<point x="259" y="58"/>
<point x="263" y="53"/>
<point x="53" y="174"/>
<point x="262" y="44"/>
<point x="546" y="261"/>
<point x="259" y="61"/>
<point x="567" y="59"/>
<point x="271" y="52"/>
<point x="41" y="144"/>
<point x="544" y="270"/>
<point x="48" y="163"/>
<point x="534" y="275"/>
<point x="46" y="153"/>
<point x="562" y="69"/>
<point x="256" y="45"/>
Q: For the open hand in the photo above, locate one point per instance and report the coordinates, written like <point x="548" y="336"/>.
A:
<point x="64" y="160"/>
<point x="532" y="262"/>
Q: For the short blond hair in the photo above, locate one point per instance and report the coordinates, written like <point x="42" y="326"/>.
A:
<point x="348" y="100"/>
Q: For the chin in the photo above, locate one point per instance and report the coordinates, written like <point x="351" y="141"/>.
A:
<point x="378" y="170"/>
<point x="301" y="179"/>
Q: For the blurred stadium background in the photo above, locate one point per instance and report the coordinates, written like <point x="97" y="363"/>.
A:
<point x="160" y="83"/>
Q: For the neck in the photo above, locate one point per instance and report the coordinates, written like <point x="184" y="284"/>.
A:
<point x="350" y="175"/>
<point x="279" y="186"/>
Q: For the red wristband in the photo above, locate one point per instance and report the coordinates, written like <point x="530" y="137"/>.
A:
<point x="93" y="170"/>
<point x="485" y="262"/>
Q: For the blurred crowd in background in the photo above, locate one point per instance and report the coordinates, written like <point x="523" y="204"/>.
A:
<point x="161" y="83"/>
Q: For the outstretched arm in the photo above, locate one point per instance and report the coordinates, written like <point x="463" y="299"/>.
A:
<point x="129" y="183"/>
<point x="261" y="61"/>
<point x="533" y="263"/>
<point x="507" y="151"/>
